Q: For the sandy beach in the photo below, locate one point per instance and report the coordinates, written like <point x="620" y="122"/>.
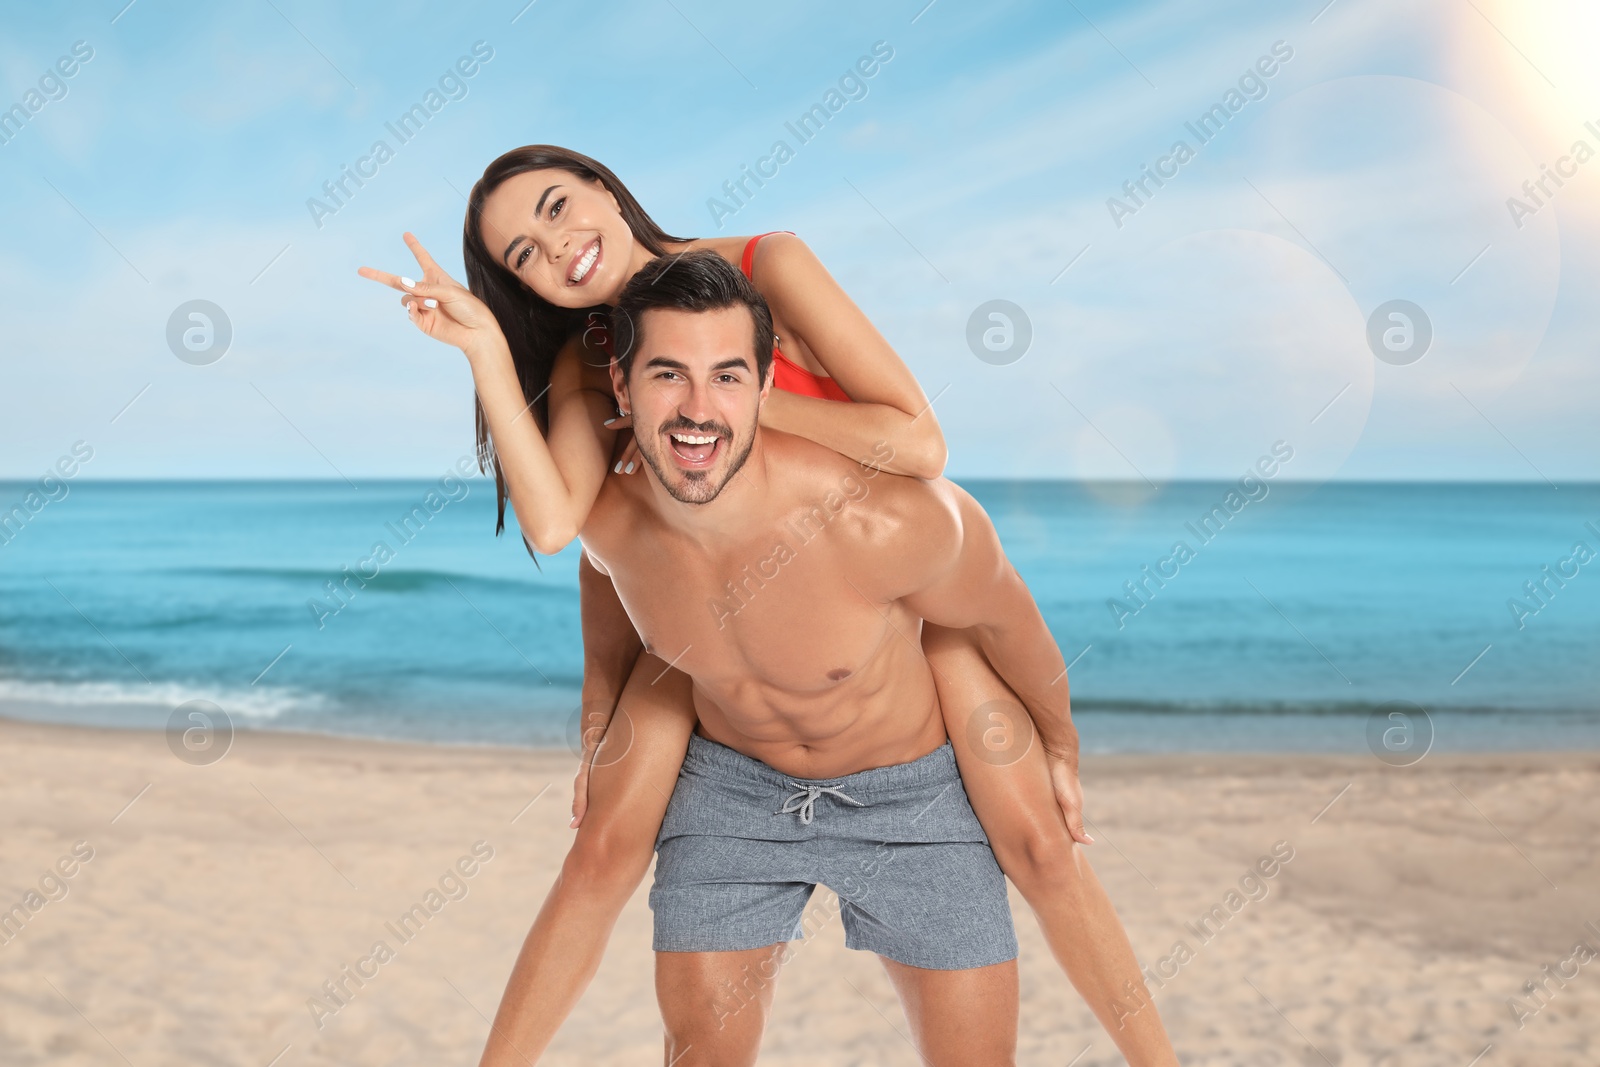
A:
<point x="191" y="914"/>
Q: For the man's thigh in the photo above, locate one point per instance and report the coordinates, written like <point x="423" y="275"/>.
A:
<point x="966" y="1018"/>
<point x="715" y="1004"/>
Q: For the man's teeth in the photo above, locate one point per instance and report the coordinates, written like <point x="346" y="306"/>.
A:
<point x="581" y="268"/>
<point x="689" y="439"/>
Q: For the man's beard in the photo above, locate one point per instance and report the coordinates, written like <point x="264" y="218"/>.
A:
<point x="696" y="487"/>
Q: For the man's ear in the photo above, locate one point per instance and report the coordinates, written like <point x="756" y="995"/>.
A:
<point x="771" y="376"/>
<point x="619" y="386"/>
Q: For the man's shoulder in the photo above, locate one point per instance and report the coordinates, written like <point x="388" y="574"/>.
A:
<point x="801" y="461"/>
<point x="892" y="530"/>
<point x="804" y="463"/>
<point x="616" y="514"/>
<point x="911" y="533"/>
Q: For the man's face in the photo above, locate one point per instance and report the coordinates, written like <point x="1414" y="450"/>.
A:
<point x="695" y="398"/>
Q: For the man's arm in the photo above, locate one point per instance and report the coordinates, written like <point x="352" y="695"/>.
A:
<point x="953" y="572"/>
<point x="611" y="646"/>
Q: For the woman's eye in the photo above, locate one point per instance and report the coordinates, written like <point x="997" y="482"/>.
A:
<point x="555" y="208"/>
<point x="522" y="256"/>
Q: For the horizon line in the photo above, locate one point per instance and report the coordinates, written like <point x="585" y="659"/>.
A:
<point x="1210" y="480"/>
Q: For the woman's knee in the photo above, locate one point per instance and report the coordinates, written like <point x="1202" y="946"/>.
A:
<point x="608" y="857"/>
<point x="1039" y="856"/>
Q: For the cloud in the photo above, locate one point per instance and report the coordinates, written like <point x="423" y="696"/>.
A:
<point x="977" y="168"/>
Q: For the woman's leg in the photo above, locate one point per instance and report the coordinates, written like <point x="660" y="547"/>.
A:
<point x="628" y="793"/>
<point x="1003" y="769"/>
<point x="611" y="647"/>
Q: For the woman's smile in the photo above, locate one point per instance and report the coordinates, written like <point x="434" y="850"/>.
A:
<point x="584" y="262"/>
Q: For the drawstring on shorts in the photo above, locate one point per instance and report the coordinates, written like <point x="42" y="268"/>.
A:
<point x="804" y="803"/>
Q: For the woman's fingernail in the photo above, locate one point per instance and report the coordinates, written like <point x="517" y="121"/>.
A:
<point x="618" y="468"/>
<point x="629" y="470"/>
<point x="608" y="422"/>
<point x="407" y="282"/>
<point x="430" y="303"/>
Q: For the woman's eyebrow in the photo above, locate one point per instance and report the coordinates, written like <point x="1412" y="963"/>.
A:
<point x="538" y="209"/>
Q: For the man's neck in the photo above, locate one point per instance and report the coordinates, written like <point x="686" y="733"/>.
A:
<point x="740" y="508"/>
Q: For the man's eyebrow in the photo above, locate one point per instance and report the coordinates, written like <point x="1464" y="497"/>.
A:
<point x="673" y="364"/>
<point x="538" y="209"/>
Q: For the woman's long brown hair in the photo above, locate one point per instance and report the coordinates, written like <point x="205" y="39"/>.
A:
<point x="534" y="328"/>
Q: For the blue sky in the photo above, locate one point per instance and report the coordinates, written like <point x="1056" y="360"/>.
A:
<point x="1227" y="312"/>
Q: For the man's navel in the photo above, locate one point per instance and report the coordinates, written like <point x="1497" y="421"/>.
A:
<point x="839" y="674"/>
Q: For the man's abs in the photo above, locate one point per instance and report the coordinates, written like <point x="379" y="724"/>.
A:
<point x="887" y="714"/>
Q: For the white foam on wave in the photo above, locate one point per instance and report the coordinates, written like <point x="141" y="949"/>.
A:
<point x="256" y="702"/>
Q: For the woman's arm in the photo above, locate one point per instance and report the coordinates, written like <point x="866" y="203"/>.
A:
<point x="890" y="407"/>
<point x="551" y="483"/>
<point x="605" y="865"/>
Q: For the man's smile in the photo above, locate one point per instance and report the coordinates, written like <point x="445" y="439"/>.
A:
<point x="694" y="450"/>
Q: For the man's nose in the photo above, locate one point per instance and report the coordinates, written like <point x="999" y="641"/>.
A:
<point x="696" y="403"/>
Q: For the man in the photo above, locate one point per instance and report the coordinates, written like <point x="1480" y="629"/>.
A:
<point x="761" y="567"/>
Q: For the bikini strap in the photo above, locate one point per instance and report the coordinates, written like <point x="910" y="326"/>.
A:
<point x="749" y="257"/>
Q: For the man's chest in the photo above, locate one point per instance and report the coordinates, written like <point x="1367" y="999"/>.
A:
<point x="778" y="610"/>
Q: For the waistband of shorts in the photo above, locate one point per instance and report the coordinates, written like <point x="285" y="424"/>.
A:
<point x="934" y="769"/>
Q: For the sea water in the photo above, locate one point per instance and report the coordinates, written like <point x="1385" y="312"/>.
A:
<point x="1194" y="616"/>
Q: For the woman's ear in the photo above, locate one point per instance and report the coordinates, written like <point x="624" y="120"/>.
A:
<point x="602" y="187"/>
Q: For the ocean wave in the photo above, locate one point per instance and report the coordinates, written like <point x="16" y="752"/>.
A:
<point x="261" y="702"/>
<point x="389" y="579"/>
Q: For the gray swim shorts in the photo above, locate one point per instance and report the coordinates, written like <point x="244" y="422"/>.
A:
<point x="743" y="846"/>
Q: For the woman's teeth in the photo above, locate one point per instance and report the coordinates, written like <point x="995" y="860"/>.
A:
<point x="580" y="269"/>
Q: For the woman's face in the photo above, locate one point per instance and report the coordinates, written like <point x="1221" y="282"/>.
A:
<point x="562" y="236"/>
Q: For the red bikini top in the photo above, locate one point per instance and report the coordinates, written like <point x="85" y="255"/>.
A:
<point x="786" y="374"/>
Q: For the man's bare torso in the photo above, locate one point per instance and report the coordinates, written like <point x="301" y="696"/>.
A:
<point x="800" y="656"/>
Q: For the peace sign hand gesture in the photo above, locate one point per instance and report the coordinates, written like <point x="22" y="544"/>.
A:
<point x="440" y="306"/>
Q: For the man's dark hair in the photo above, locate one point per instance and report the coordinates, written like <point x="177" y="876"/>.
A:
<point x="700" y="280"/>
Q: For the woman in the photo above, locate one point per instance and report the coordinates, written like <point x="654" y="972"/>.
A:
<point x="550" y="239"/>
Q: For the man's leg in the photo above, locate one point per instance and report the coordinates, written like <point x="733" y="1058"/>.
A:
<point x="715" y="1004"/>
<point x="960" y="1018"/>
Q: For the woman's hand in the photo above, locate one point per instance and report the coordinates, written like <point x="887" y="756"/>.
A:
<point x="441" y="307"/>
<point x="630" y="460"/>
<point x="595" y="722"/>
